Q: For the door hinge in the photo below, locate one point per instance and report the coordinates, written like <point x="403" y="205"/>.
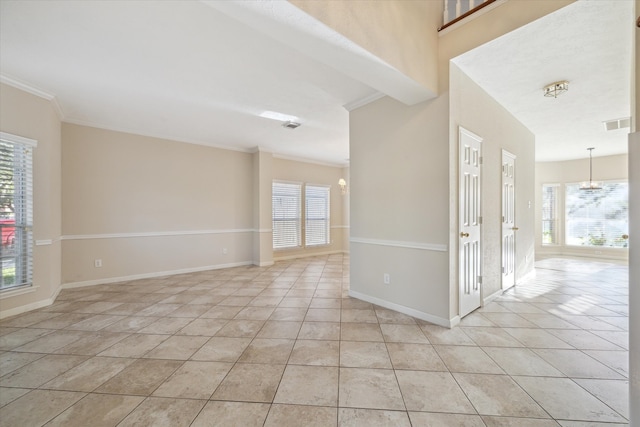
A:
<point x="480" y="279"/>
<point x="479" y="220"/>
<point x="502" y="270"/>
<point x="481" y="160"/>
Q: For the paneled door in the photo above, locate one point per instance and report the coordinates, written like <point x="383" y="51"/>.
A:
<point x="508" y="220"/>
<point x="469" y="217"/>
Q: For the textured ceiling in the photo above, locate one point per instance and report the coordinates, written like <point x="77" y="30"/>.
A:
<point x="587" y="43"/>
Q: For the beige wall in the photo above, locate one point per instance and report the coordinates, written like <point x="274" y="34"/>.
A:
<point x="146" y="206"/>
<point x="346" y="210"/>
<point x="33" y="117"/>
<point x="403" y="34"/>
<point x="311" y="173"/>
<point x="263" y="237"/>
<point x="399" y="198"/>
<point x="394" y="148"/>
<point x="571" y="172"/>
<point x="473" y="109"/>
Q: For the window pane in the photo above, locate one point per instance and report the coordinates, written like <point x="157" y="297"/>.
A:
<point x="317" y="212"/>
<point x="286" y="215"/>
<point x="16" y="214"/>
<point x="598" y="217"/>
<point x="549" y="214"/>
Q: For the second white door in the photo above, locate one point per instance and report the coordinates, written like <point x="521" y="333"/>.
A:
<point x="508" y="220"/>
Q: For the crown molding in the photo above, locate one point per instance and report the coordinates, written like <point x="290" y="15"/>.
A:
<point x="311" y="161"/>
<point x="33" y="90"/>
<point x="157" y="136"/>
<point x="363" y="101"/>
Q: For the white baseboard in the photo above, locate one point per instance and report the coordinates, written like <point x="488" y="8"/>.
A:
<point x="306" y="255"/>
<point x="264" y="264"/>
<point x="491" y="297"/>
<point x="32" y="306"/>
<point x="440" y="321"/>
<point x="455" y="321"/>
<point x="108" y="280"/>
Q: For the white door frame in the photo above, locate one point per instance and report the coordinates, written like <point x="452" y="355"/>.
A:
<point x="508" y="227"/>
<point x="469" y="221"/>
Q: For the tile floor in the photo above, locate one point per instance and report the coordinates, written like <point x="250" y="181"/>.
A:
<point x="286" y="346"/>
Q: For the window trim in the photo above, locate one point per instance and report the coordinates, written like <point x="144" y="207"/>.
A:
<point x="27" y="253"/>
<point x="565" y="218"/>
<point x="300" y="243"/>
<point x="559" y="215"/>
<point x="327" y="219"/>
<point x="302" y="220"/>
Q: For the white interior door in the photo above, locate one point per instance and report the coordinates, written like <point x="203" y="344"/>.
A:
<point x="508" y="220"/>
<point x="469" y="259"/>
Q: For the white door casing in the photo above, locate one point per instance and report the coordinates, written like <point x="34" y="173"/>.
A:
<point x="508" y="220"/>
<point x="469" y="218"/>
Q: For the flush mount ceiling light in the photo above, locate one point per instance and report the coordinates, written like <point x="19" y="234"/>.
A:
<point x="290" y="125"/>
<point x="591" y="185"/>
<point x="555" y="89"/>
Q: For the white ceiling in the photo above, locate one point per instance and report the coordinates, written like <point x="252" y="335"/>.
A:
<point x="180" y="70"/>
<point x="204" y="71"/>
<point x="587" y="43"/>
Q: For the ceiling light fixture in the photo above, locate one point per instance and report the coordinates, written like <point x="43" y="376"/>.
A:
<point x="290" y="125"/>
<point x="591" y="185"/>
<point x="555" y="89"/>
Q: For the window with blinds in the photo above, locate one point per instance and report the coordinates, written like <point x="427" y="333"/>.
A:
<point x="317" y="212"/>
<point x="16" y="210"/>
<point x="598" y="217"/>
<point x="550" y="214"/>
<point x="286" y="215"/>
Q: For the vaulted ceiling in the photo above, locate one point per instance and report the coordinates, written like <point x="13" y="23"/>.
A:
<point x="587" y="43"/>
<point x="215" y="72"/>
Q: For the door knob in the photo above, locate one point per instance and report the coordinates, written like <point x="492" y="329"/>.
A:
<point x="462" y="234"/>
<point x="515" y="228"/>
<point x="625" y="236"/>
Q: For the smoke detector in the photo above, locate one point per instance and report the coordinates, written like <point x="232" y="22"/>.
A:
<point x="290" y="125"/>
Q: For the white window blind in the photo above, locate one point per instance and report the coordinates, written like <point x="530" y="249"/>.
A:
<point x="550" y="214"/>
<point x="16" y="210"/>
<point x="597" y="217"/>
<point x="286" y="215"/>
<point x="317" y="213"/>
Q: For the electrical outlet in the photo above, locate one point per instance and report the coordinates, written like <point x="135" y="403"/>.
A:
<point x="386" y="278"/>
<point x="225" y="251"/>
<point x="97" y="263"/>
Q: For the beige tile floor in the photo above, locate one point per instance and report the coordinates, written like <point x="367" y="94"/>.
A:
<point x="286" y="346"/>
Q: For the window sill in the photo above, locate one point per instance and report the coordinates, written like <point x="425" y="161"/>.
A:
<point x="290" y="248"/>
<point x="596" y="248"/>
<point x="18" y="290"/>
